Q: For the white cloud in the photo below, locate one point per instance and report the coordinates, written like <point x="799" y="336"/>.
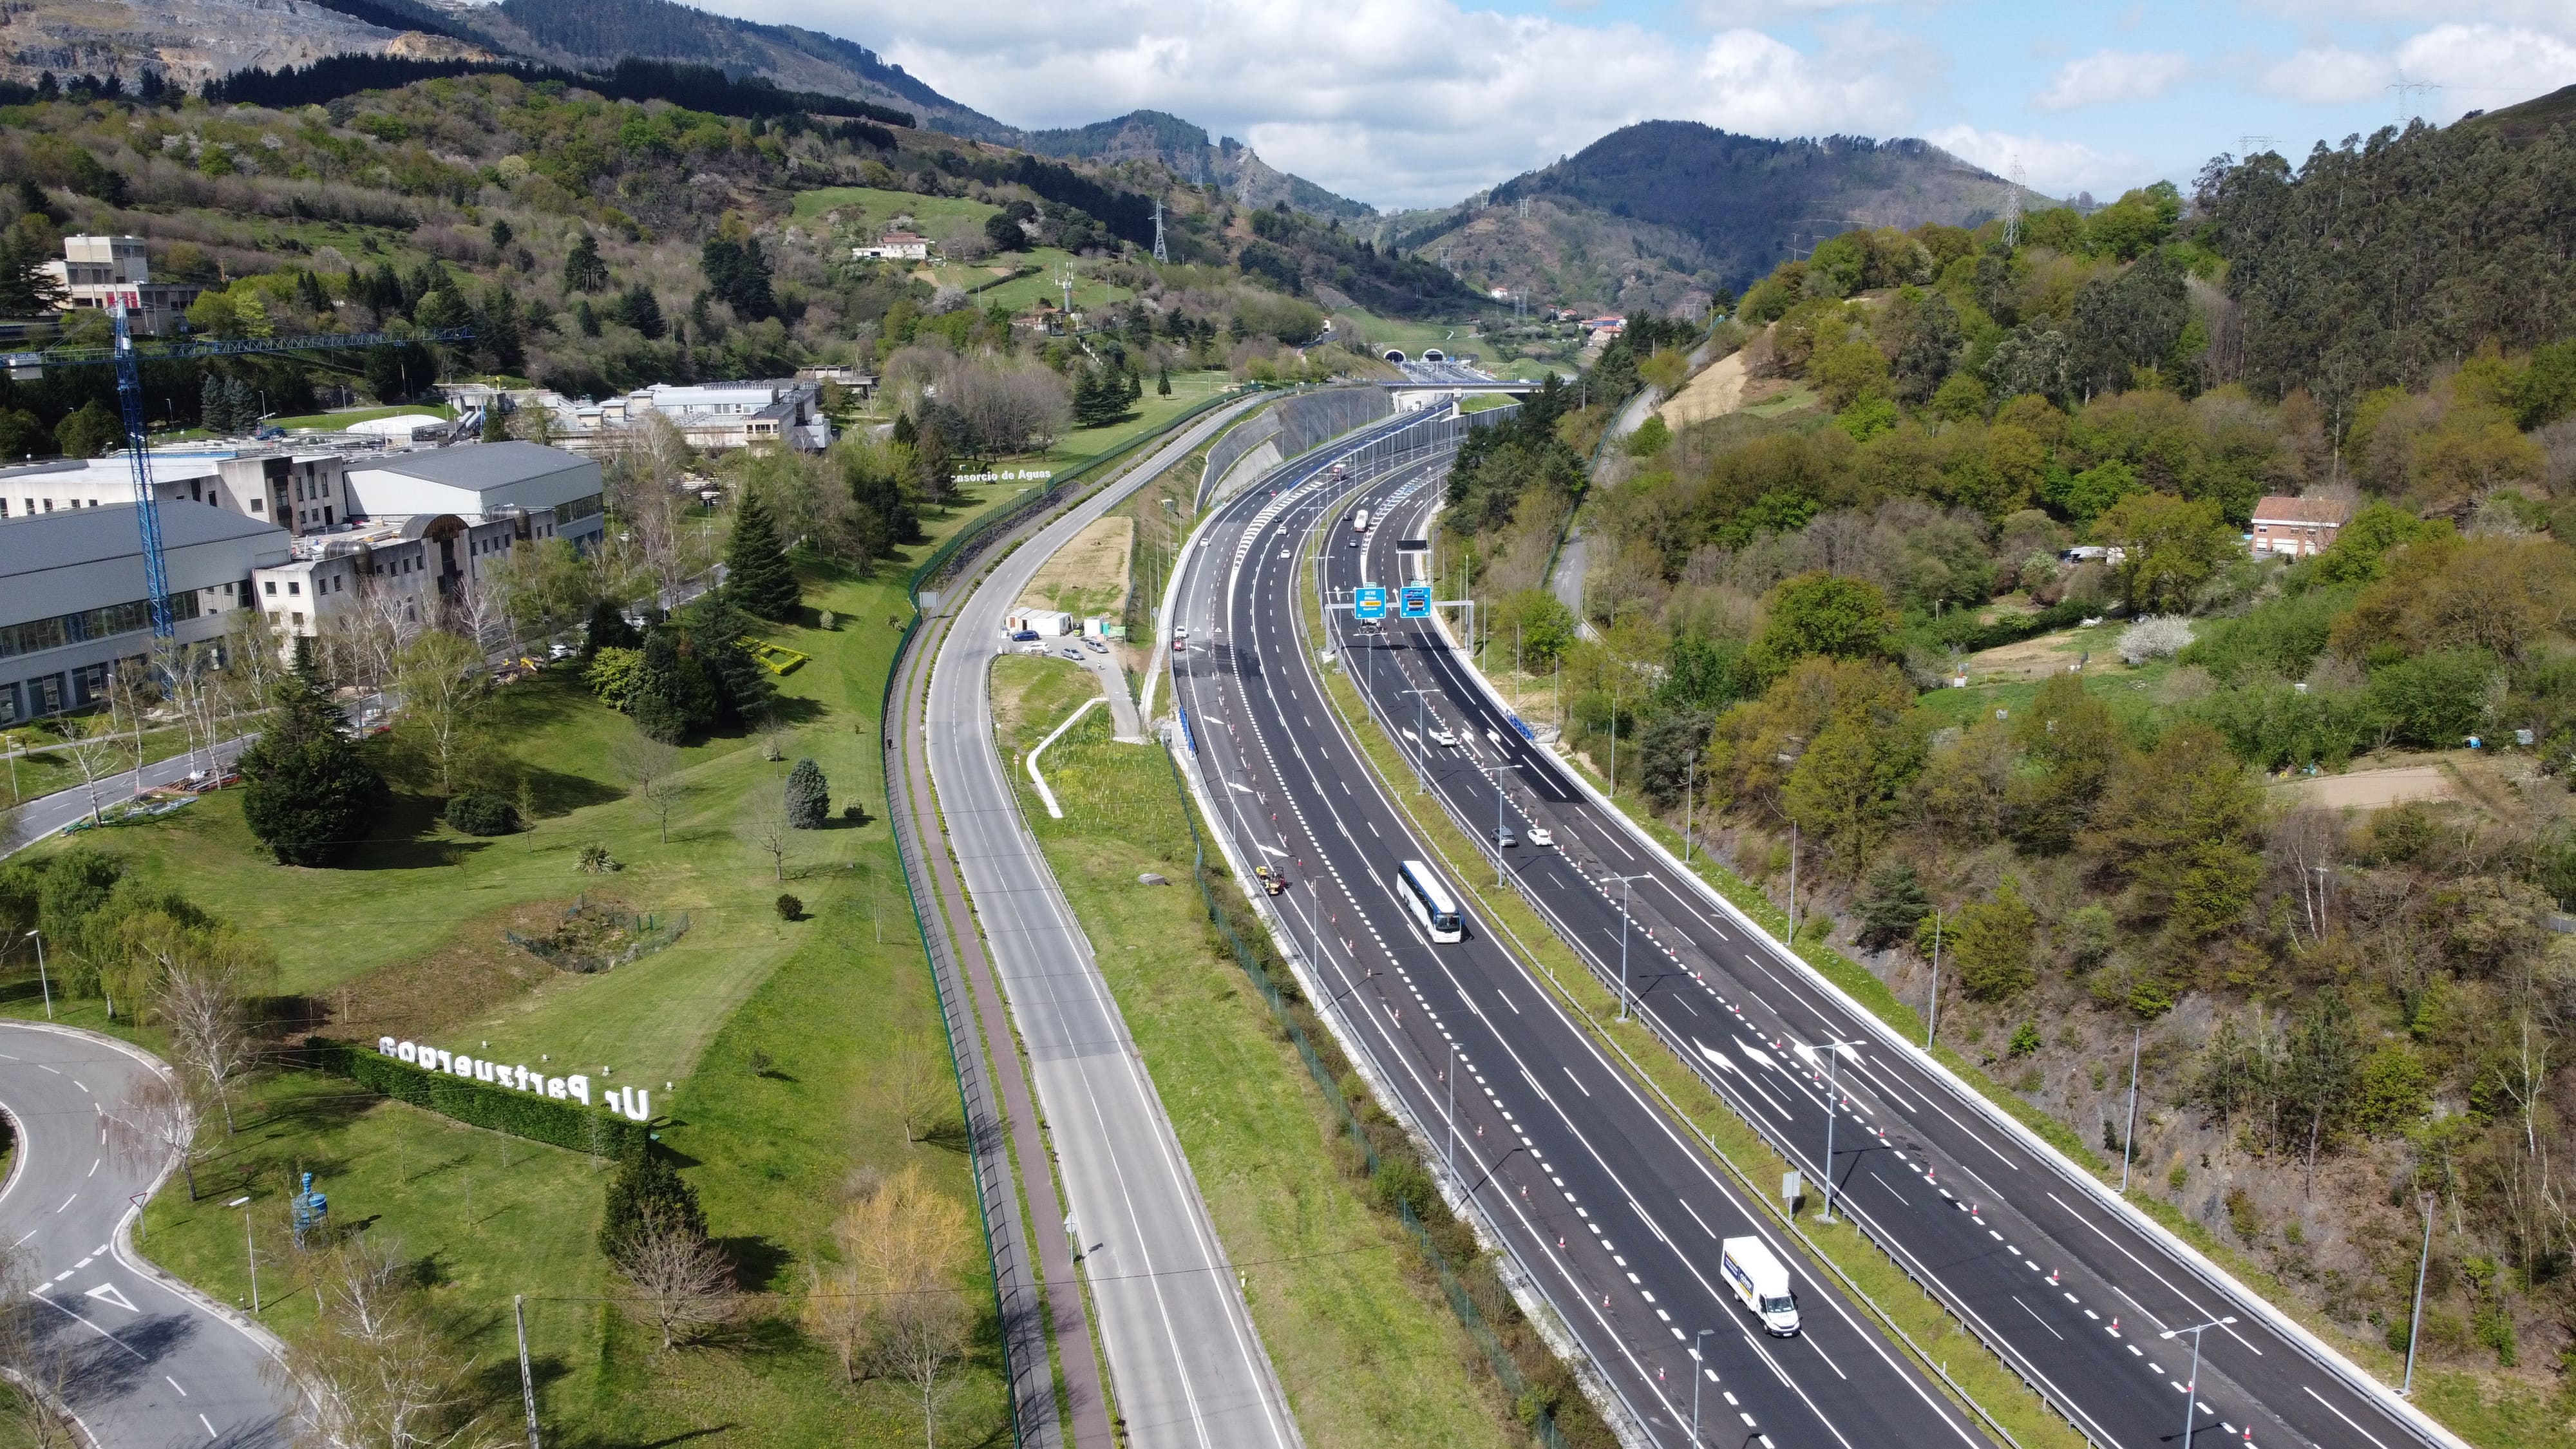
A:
<point x="1398" y="102"/>
<point x="2112" y="75"/>
<point x="2485" y="66"/>
<point x="2327" y="75"/>
<point x="2058" y="168"/>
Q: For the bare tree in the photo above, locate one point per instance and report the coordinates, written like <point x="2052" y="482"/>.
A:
<point x="202" y="1006"/>
<point x="921" y="1341"/>
<point x="918" y="1085"/>
<point x="840" y="1314"/>
<point x="130" y="694"/>
<point x="440" y="677"/>
<point x="654" y="767"/>
<point x="767" y="828"/>
<point x="39" y="1370"/>
<point x="376" y="1374"/>
<point x="95" y="753"/>
<point x="676" y="1281"/>
<point x="163" y="1115"/>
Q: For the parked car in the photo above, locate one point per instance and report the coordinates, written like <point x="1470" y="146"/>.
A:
<point x="1024" y="636"/>
<point x="1033" y="647"/>
<point x="1542" y="838"/>
<point x="1073" y="654"/>
<point x="1095" y="646"/>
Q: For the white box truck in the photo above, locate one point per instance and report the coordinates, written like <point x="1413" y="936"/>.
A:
<point x="1761" y="1282"/>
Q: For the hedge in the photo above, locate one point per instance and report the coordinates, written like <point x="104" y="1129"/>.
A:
<point x="594" y="1130"/>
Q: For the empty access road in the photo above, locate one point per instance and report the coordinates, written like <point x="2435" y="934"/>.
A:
<point x="141" y="1362"/>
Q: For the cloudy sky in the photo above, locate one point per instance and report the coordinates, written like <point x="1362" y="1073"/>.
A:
<point x="1419" y="102"/>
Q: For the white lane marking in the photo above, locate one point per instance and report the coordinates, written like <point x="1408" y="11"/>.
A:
<point x="77" y="1082"/>
<point x="67" y="1202"/>
<point x="1891" y="1192"/>
<point x="2347" y="1418"/>
<point x="1577" y="1081"/>
<point x="174" y="1383"/>
<point x="92" y="1327"/>
<point x="2035" y="1318"/>
<point x="210" y="1427"/>
<point x="2152" y="1273"/>
<point x="93" y="1166"/>
<point x="1695" y="1217"/>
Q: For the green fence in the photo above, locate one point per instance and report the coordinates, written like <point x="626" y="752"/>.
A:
<point x="1543" y="1429"/>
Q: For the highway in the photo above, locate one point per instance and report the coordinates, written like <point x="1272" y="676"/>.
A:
<point x="1611" y="1210"/>
<point x="2040" y="1261"/>
<point x="1185" y="1363"/>
<point x="141" y="1362"/>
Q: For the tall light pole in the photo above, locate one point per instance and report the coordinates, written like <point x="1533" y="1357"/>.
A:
<point x="1699" y="1372"/>
<point x="250" y="1241"/>
<point x="42" y="980"/>
<point x="2415" y="1325"/>
<point x="1623" y="881"/>
<point x="1453" y="1111"/>
<point x="2191" y="1386"/>
<point x="2129" y="1137"/>
<point x="1932" y="1008"/>
<point x="1690" y="797"/>
<point x="1495" y="773"/>
<point x="1833" y="1095"/>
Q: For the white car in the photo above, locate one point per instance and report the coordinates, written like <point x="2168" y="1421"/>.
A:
<point x="1033" y="648"/>
<point x="1440" y="736"/>
<point x="1542" y="837"/>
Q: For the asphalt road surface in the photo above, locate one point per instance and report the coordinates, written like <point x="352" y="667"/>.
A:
<point x="2075" y="1293"/>
<point x="142" y="1363"/>
<point x="1615" y="1214"/>
<point x="1185" y="1363"/>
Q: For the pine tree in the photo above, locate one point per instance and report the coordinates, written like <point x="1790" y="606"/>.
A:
<point x="757" y="575"/>
<point x="308" y="794"/>
<point x="583" y="271"/>
<point x="647" y="1189"/>
<point x="809" y="796"/>
<point x="214" y="409"/>
<point x="1162" y="382"/>
<point x="659" y="698"/>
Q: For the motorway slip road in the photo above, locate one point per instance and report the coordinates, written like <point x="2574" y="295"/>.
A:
<point x="1185" y="1363"/>
<point x="2071" y="1291"/>
<point x="1613" y="1213"/>
<point x="143" y="1363"/>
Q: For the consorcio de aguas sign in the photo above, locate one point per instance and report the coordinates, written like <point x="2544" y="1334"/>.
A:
<point x="633" y="1103"/>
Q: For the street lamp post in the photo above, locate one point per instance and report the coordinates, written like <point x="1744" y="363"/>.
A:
<point x="1932" y="1008"/>
<point x="2191" y="1386"/>
<point x="1623" y="881"/>
<point x="1833" y="1095"/>
<point x="250" y="1242"/>
<point x="1699" y="1371"/>
<point x="2415" y="1325"/>
<point x="43" y="981"/>
<point x="2129" y="1135"/>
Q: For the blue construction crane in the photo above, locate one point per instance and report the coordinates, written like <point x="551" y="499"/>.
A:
<point x="128" y="359"/>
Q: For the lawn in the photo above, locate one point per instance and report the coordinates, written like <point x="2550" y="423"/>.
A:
<point x="343" y="418"/>
<point x="1152" y="413"/>
<point x="1368" y="1351"/>
<point x="775" y="1036"/>
<point x="866" y="211"/>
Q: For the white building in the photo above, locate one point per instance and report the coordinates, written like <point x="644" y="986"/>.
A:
<point x="74" y="604"/>
<point x="714" y="417"/>
<point x="896" y="246"/>
<point x="98" y="271"/>
<point x="2298" y="527"/>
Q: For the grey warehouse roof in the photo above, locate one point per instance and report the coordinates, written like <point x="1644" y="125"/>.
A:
<point x="476" y="465"/>
<point x="74" y="536"/>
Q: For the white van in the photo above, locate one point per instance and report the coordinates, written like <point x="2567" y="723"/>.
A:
<point x="1761" y="1283"/>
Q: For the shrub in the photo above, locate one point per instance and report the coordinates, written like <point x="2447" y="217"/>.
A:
<point x="809" y="796"/>
<point x="2025" y="1039"/>
<point x="309" y="794"/>
<point x="790" y="908"/>
<point x="595" y="859"/>
<point x="612" y="673"/>
<point x="539" y="1119"/>
<point x="1994" y="945"/>
<point x="2158" y="636"/>
<point x="481" y="814"/>
<point x="648" y="1188"/>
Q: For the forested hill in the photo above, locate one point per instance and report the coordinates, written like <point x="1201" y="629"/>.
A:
<point x="597" y="33"/>
<point x="1744" y="202"/>
<point x="1185" y="148"/>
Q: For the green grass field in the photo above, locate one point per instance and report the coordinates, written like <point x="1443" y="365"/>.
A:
<point x="814" y="1004"/>
<point x="1368" y="1354"/>
<point x="866" y="210"/>
<point x="342" y="419"/>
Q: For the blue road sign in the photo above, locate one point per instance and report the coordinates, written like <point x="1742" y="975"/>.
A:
<point x="1416" y="603"/>
<point x="1369" y="602"/>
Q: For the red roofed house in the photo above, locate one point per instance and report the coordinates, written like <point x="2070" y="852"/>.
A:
<point x="2298" y="526"/>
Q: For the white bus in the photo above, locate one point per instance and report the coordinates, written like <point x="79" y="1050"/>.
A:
<point x="1359" y="521"/>
<point x="1430" y="902"/>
